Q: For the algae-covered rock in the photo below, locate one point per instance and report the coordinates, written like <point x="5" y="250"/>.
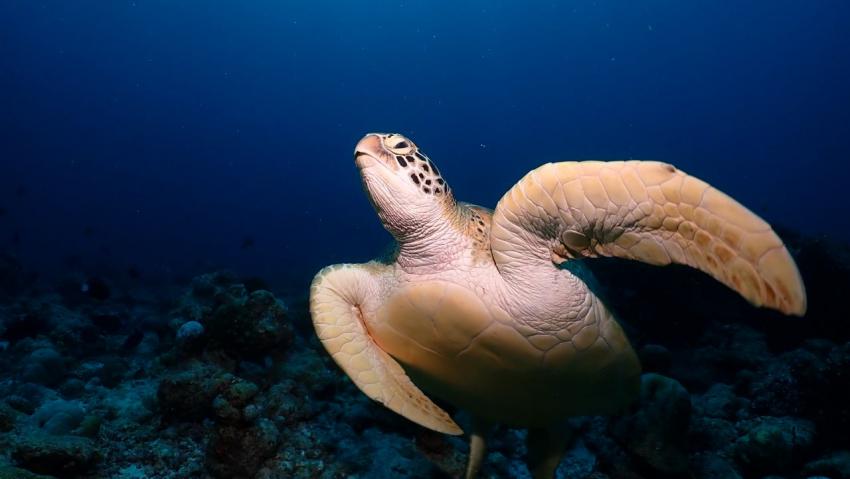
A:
<point x="712" y="466"/>
<point x="190" y="336"/>
<point x="207" y="286"/>
<point x="219" y="312"/>
<point x="239" y="391"/>
<point x="777" y="391"/>
<point x="9" y="472"/>
<point x="59" y="416"/>
<point x="251" y="325"/>
<point x="90" y="426"/>
<point x="835" y="465"/>
<point x="657" y="431"/>
<point x="25" y="403"/>
<point x="719" y="402"/>
<point x="188" y="395"/>
<point x="57" y="455"/>
<point x="8" y="417"/>
<point x="205" y="293"/>
<point x="389" y="455"/>
<point x="711" y="433"/>
<point x="579" y="461"/>
<point x="773" y="444"/>
<point x="239" y="452"/>
<point x="44" y="366"/>
<point x="228" y="405"/>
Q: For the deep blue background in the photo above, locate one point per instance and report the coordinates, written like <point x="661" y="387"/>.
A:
<point x="163" y="133"/>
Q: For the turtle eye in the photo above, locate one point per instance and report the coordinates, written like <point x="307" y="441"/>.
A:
<point x="398" y="144"/>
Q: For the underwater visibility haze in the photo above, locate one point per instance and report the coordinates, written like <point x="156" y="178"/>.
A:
<point x="173" y="175"/>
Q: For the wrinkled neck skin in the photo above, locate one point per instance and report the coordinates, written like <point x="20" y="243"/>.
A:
<point x="547" y="297"/>
<point x="541" y="294"/>
<point x="431" y="244"/>
<point x="424" y="225"/>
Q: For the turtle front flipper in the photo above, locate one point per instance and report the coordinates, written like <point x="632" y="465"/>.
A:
<point x="339" y="296"/>
<point x="647" y="211"/>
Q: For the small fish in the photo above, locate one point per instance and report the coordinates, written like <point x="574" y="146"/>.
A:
<point x="247" y="242"/>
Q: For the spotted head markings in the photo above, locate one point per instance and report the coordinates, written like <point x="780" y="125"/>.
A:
<point x="420" y="169"/>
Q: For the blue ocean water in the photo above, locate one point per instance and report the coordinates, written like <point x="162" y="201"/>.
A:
<point x="165" y="134"/>
<point x="164" y="163"/>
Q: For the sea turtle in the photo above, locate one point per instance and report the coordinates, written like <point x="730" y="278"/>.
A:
<point x="480" y="308"/>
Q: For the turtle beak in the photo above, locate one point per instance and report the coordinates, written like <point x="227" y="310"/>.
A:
<point x="370" y="150"/>
<point x="363" y="159"/>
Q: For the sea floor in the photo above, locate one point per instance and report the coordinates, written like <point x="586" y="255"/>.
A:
<point x="218" y="377"/>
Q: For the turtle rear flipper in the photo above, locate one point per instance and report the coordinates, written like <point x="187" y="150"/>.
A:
<point x="338" y="297"/>
<point x="648" y="211"/>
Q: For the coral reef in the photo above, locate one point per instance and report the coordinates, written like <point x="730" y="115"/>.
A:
<point x="56" y="455"/>
<point x="656" y="432"/>
<point x="225" y="380"/>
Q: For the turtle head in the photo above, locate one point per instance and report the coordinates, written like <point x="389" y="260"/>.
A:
<point x="403" y="184"/>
